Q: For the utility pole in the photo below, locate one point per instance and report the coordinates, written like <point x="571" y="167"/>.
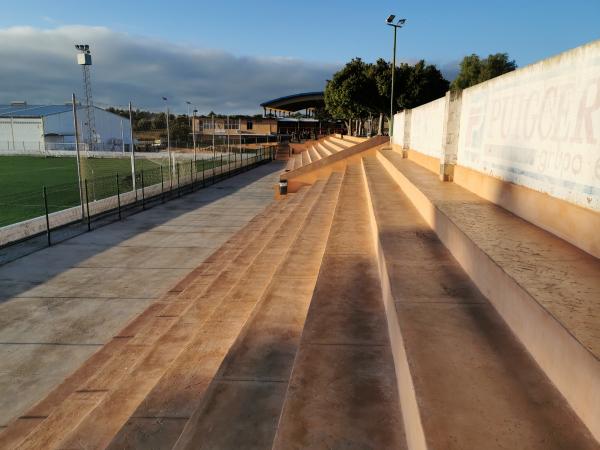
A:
<point x="390" y="21"/>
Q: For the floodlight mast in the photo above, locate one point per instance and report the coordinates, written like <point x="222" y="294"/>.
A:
<point x="84" y="59"/>
<point x="390" y="21"/>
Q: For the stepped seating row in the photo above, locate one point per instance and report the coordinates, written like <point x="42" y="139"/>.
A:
<point x="342" y="317"/>
<point x="322" y="149"/>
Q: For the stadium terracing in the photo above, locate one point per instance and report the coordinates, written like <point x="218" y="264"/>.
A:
<point x="439" y="291"/>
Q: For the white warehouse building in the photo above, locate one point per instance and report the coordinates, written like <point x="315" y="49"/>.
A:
<point x="40" y="128"/>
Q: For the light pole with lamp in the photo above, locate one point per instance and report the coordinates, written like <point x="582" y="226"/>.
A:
<point x="194" y="133"/>
<point x="171" y="166"/>
<point x="188" y="109"/>
<point x="390" y="21"/>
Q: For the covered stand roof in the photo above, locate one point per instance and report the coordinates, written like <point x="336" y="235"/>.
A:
<point x="296" y="102"/>
<point x="24" y="110"/>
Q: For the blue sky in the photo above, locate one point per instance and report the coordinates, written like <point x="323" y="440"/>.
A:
<point x="292" y="46"/>
<point x="335" y="30"/>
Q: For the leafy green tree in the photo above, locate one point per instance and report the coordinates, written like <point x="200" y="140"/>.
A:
<point x="419" y="84"/>
<point x="474" y="70"/>
<point x="361" y="89"/>
<point x="179" y="127"/>
<point x="349" y="93"/>
<point x="381" y="74"/>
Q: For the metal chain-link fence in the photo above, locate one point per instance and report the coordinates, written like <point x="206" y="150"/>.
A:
<point x="60" y="211"/>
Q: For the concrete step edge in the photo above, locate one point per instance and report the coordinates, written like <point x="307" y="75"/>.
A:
<point x="14" y="433"/>
<point x="564" y="360"/>
<point x="188" y="432"/>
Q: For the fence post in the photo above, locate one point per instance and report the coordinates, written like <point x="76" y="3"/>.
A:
<point x="143" y="194"/>
<point x="162" y="185"/>
<point x="192" y="174"/>
<point x="87" y="206"/>
<point x="203" y="170"/>
<point x="118" y="197"/>
<point x="178" y="183"/>
<point x="47" y="218"/>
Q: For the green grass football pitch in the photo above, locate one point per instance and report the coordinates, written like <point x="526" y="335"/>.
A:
<point x="22" y="179"/>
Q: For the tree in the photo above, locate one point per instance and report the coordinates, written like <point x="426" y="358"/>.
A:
<point x="349" y="93"/>
<point x="180" y="129"/>
<point x="418" y="84"/>
<point x="381" y="73"/>
<point x="361" y="89"/>
<point x="474" y="70"/>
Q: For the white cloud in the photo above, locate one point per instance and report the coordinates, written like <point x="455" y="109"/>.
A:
<point x="38" y="66"/>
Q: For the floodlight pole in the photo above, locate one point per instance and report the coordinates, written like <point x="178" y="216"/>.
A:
<point x="78" y="156"/>
<point x="213" y="136"/>
<point x="122" y="138"/>
<point x="132" y="151"/>
<point x="390" y="22"/>
<point x="391" y="131"/>
<point x="169" y="139"/>
<point x="194" y="132"/>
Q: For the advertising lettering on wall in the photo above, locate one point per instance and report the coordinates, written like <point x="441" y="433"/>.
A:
<point x="539" y="127"/>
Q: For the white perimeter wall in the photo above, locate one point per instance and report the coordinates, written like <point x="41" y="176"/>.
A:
<point x="22" y="134"/>
<point x="427" y="128"/>
<point x="398" y="136"/>
<point x="538" y="126"/>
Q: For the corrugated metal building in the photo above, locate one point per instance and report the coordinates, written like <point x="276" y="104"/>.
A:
<point x="33" y="128"/>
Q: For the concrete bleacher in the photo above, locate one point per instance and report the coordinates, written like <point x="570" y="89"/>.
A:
<point x="439" y="291"/>
<point x="376" y="307"/>
<point x="321" y="149"/>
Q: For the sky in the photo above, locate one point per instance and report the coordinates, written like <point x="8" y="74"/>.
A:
<point x="229" y="56"/>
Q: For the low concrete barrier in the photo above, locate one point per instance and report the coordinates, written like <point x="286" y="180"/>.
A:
<point x="37" y="225"/>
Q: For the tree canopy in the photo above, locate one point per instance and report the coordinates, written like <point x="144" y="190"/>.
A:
<point x="350" y="92"/>
<point x="360" y="88"/>
<point x="474" y="70"/>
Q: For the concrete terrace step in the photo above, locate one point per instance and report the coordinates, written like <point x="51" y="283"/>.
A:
<point x="355" y="139"/>
<point x="332" y="147"/>
<point x="314" y="155"/>
<point x="322" y="150"/>
<point x="166" y="384"/>
<point x="342" y="392"/>
<point x="244" y="401"/>
<point x="547" y="292"/>
<point x="290" y="164"/>
<point x="146" y="327"/>
<point x="101" y="384"/>
<point x="297" y="160"/>
<point x="341" y="143"/>
<point x="305" y="157"/>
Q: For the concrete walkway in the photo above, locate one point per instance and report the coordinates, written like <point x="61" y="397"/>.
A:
<point x="59" y="305"/>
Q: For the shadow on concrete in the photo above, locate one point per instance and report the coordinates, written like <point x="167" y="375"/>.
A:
<point x="23" y="268"/>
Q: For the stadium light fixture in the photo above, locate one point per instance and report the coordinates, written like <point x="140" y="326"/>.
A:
<point x="390" y="21"/>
